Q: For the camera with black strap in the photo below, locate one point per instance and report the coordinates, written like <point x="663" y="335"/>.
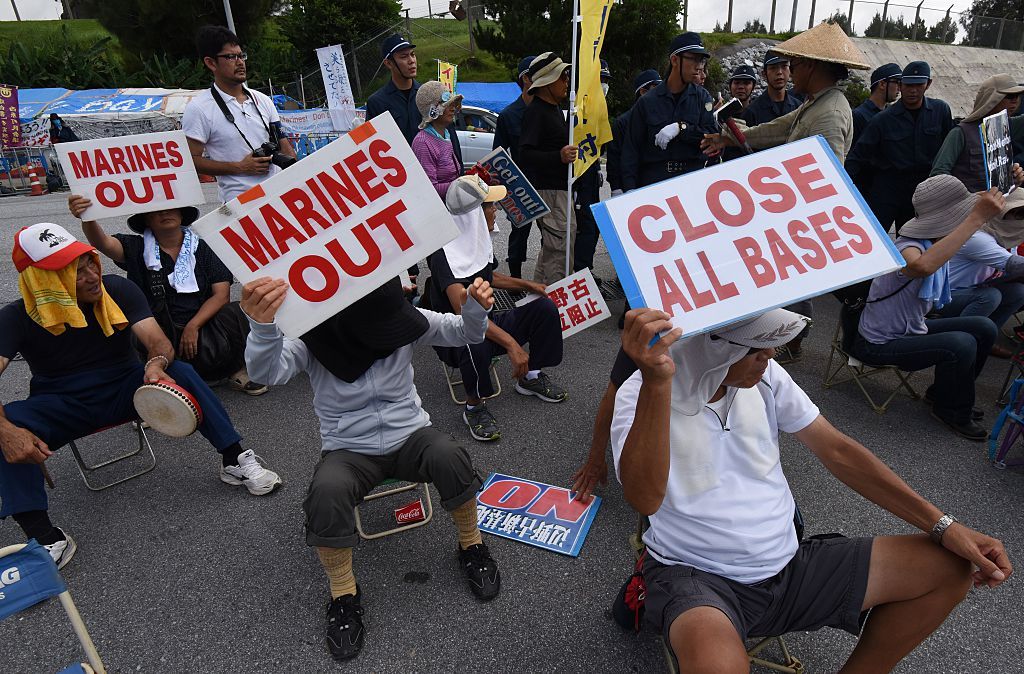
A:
<point x="268" y="149"/>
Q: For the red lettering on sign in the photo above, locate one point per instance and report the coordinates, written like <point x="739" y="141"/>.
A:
<point x="102" y="166"/>
<point x="690" y="233"/>
<point x="117" y="160"/>
<point x="301" y="207"/>
<point x="509" y="494"/>
<point x="378" y="153"/>
<point x="559" y="502"/>
<point x="373" y="256"/>
<point x="723" y="292"/>
<point x="828" y="237"/>
<point x="714" y="200"/>
<point x="671" y="293"/>
<point x="147" y="191"/>
<point x="174" y="154"/>
<point x="318" y="192"/>
<point x="114" y="199"/>
<point x="389" y="218"/>
<point x="701" y="298"/>
<point x="81" y="165"/>
<point x="640" y="238"/>
<point x="280" y="228"/>
<point x="843" y="217"/>
<point x="365" y="177"/>
<point x="297" y="280"/>
<point x="750" y="252"/>
<point x="782" y="255"/>
<point x="165" y="180"/>
<point x="803" y="178"/>
<point x="254" y="250"/>
<point x="343" y="192"/>
<point x="159" y="158"/>
<point x="759" y="178"/>
<point x="142" y="157"/>
<point x="816" y="258"/>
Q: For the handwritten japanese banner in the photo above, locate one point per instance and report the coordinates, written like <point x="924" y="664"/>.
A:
<point x="734" y="240"/>
<point x="534" y="513"/>
<point x="340" y="100"/>
<point x="10" y="122"/>
<point x="579" y="301"/>
<point x="448" y="75"/>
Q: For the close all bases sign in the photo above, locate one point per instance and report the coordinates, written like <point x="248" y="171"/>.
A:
<point x="734" y="240"/>
<point x="131" y="174"/>
<point x="335" y="226"/>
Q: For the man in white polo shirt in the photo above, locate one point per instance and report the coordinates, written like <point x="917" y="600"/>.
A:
<point x="222" y="139"/>
<point x="695" y="439"/>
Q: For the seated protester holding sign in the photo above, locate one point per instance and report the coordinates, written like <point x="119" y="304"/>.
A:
<point x="893" y="327"/>
<point x="73" y="326"/>
<point x="453" y="268"/>
<point x="986" y="279"/>
<point x="186" y="285"/>
<point x="373" y="428"/>
<point x="695" y="439"/>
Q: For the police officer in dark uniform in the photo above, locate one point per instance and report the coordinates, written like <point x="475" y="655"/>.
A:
<point x="642" y="83"/>
<point x="898" y="147"/>
<point x="587" y="191"/>
<point x="666" y="127"/>
<point x="776" y="99"/>
<point x="506" y="135"/>
<point x="741" y="84"/>
<point x="885" y="88"/>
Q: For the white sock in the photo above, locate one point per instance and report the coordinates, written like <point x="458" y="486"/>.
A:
<point x="532" y="374"/>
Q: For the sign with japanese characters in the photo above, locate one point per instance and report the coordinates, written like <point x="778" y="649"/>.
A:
<point x="131" y="174"/>
<point x="579" y="301"/>
<point x="534" y="513"/>
<point x="995" y="138"/>
<point x="10" y="118"/>
<point x="737" y="239"/>
<point x="522" y="204"/>
<point x="448" y="75"/>
<point x="336" y="226"/>
<point x="340" y="101"/>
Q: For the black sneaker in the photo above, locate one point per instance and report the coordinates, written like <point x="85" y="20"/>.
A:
<point x="481" y="571"/>
<point x="977" y="414"/>
<point x="968" y="430"/>
<point x="542" y="387"/>
<point x="345" y="631"/>
<point x="482" y="425"/>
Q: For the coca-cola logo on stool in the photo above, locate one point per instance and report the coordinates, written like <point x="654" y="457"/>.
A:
<point x="411" y="512"/>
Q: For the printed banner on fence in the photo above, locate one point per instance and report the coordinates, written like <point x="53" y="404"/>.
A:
<point x="522" y="204"/>
<point x="739" y="238"/>
<point x="448" y="75"/>
<point x="995" y="138"/>
<point x="340" y="101"/>
<point x="336" y="225"/>
<point x="579" y="301"/>
<point x="131" y="174"/>
<point x="10" y="118"/>
<point x="534" y="513"/>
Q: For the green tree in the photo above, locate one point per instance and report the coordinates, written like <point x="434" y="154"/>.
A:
<point x="145" y="27"/>
<point x="527" y="27"/>
<point x="894" y="30"/>
<point x="309" y="24"/>
<point x="843" y="21"/>
<point x="755" y="26"/>
<point x="943" y="31"/>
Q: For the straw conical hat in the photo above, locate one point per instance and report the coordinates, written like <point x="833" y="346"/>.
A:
<point x="825" y="42"/>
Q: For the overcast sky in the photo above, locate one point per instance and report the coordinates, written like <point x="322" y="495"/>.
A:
<point x="703" y="13"/>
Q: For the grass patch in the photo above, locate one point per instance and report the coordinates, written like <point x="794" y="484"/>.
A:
<point x="87" y="31"/>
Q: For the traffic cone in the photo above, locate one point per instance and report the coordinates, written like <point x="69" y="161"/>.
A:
<point x="37" y="187"/>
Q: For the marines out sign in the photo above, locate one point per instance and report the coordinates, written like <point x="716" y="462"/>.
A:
<point x="739" y="238"/>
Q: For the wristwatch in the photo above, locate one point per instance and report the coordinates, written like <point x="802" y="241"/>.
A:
<point x="940" y="528"/>
<point x="682" y="126"/>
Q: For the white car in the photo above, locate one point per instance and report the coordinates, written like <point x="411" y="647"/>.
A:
<point x="475" y="128"/>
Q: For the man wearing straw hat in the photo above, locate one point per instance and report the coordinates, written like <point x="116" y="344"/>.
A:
<point x="896" y="150"/>
<point x="544" y="155"/>
<point x="962" y="154"/>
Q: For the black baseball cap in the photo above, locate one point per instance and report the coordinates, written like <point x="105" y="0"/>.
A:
<point x="743" y="72"/>
<point x="392" y="44"/>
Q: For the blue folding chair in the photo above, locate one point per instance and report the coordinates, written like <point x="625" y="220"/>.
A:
<point x="1012" y="417"/>
<point x="28" y="576"/>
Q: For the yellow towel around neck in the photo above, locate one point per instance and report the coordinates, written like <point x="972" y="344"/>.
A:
<point x="51" y="300"/>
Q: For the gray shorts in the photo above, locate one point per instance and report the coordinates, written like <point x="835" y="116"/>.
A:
<point x="822" y="586"/>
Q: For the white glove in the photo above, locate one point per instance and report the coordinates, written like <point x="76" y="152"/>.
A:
<point x="616" y="193"/>
<point x="666" y="135"/>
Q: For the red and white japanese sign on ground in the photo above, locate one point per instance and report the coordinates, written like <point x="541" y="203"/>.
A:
<point x="336" y="225"/>
<point x="579" y="301"/>
<point x="736" y="239"/>
<point x="131" y="174"/>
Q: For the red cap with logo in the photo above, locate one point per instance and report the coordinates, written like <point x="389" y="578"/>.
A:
<point x="46" y="246"/>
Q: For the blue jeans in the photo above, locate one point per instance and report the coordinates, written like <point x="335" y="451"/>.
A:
<point x="998" y="301"/>
<point x="61" y="409"/>
<point x="957" y="347"/>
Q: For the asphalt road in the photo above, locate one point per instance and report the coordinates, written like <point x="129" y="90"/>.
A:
<point x="177" y="572"/>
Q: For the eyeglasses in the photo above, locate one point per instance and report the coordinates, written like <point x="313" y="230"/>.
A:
<point x="234" y="57"/>
<point x="701" y="61"/>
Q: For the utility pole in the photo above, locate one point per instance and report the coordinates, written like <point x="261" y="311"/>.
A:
<point x="917" y="20"/>
<point x="885" y="19"/>
<point x="469" y="25"/>
<point x="17" y="16"/>
<point x="686" y="12"/>
<point x="67" y="9"/>
<point x="792" y="21"/>
<point x="810" y="21"/>
<point x="850" y="18"/>
<point x="771" y="28"/>
<point x="728" y="21"/>
<point x="227" y="15"/>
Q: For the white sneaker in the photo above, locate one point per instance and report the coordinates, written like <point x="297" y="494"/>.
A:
<point x="251" y="473"/>
<point x="62" y="551"/>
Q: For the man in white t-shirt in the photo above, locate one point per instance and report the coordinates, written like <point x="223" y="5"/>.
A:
<point x="695" y="442"/>
<point x="223" y="147"/>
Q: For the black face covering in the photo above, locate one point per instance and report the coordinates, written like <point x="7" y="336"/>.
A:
<point x="373" y="328"/>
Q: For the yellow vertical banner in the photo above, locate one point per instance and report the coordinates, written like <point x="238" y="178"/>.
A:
<point x="448" y="75"/>
<point x="592" y="126"/>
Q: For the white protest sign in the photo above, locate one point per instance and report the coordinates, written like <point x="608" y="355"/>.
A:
<point x="336" y="225"/>
<point x="739" y="238"/>
<point x="340" y="101"/>
<point x="579" y="301"/>
<point x="131" y="174"/>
